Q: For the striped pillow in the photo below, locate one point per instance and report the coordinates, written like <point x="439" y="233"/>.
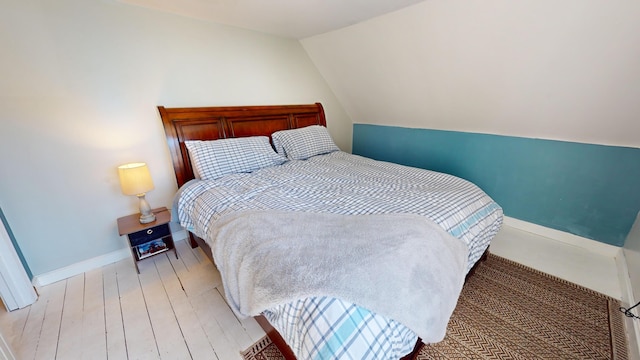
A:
<point x="216" y="158"/>
<point x="303" y="143"/>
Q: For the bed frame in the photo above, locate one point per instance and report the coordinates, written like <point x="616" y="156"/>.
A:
<point x="212" y="123"/>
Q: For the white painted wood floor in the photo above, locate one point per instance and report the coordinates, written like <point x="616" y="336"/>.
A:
<point x="175" y="309"/>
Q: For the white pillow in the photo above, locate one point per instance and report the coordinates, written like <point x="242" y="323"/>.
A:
<point x="303" y="143"/>
<point x="216" y="158"/>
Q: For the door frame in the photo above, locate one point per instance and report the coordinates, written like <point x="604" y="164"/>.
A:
<point x="16" y="290"/>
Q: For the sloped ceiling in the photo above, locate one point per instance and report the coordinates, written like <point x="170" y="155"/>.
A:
<point x="541" y="69"/>
<point x="287" y="18"/>
<point x="530" y="68"/>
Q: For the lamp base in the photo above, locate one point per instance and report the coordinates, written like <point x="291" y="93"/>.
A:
<point x="145" y="219"/>
<point x="146" y="216"/>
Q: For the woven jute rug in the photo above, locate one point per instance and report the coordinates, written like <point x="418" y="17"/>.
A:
<point x="264" y="349"/>
<point x="510" y="311"/>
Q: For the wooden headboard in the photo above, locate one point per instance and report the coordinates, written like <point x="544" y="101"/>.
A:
<point x="212" y="123"/>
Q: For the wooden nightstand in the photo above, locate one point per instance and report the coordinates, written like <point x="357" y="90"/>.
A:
<point x="146" y="240"/>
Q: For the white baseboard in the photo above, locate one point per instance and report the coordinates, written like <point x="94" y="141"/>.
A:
<point x="90" y="264"/>
<point x="564" y="237"/>
<point x="80" y="267"/>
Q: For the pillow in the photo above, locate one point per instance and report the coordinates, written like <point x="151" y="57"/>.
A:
<point x="216" y="158"/>
<point x="303" y="143"/>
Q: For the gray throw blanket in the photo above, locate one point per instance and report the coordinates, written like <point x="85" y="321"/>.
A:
<point x="401" y="266"/>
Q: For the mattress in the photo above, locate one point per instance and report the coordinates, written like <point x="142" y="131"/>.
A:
<point x="342" y="183"/>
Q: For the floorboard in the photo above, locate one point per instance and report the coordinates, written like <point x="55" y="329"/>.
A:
<point x="139" y="334"/>
<point x="169" y="338"/>
<point x="48" y="342"/>
<point x="224" y="346"/>
<point x="191" y="327"/>
<point x="70" y="338"/>
<point x="114" y="327"/>
<point x="94" y="340"/>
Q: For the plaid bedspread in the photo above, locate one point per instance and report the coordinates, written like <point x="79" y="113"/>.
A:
<point x="341" y="183"/>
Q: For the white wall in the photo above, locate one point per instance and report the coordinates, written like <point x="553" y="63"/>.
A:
<point x="563" y="70"/>
<point x="80" y="84"/>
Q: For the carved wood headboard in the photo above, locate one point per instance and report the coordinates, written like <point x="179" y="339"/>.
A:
<point x="212" y="123"/>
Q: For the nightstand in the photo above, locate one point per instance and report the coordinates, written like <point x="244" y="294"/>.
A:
<point x="146" y="240"/>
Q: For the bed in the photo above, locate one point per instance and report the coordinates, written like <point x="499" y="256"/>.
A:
<point x="210" y="210"/>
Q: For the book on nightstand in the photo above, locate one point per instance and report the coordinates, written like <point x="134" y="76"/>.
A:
<point x="151" y="248"/>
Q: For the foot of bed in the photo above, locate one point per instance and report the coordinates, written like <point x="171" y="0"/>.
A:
<point x="483" y="258"/>
<point x="192" y="241"/>
<point x="416" y="349"/>
<point x="485" y="255"/>
<point x="279" y="342"/>
<point x="275" y="337"/>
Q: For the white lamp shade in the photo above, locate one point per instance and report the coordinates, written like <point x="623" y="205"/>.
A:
<point x="135" y="178"/>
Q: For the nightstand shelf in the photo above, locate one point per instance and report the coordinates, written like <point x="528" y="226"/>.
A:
<point x="146" y="240"/>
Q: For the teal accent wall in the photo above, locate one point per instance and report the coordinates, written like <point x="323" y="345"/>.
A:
<point x="15" y="244"/>
<point x="585" y="189"/>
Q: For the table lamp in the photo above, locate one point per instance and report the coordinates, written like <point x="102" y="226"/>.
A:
<point x="135" y="179"/>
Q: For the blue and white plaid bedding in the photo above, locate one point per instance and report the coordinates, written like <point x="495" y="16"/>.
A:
<point x="329" y="328"/>
<point x="341" y="183"/>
